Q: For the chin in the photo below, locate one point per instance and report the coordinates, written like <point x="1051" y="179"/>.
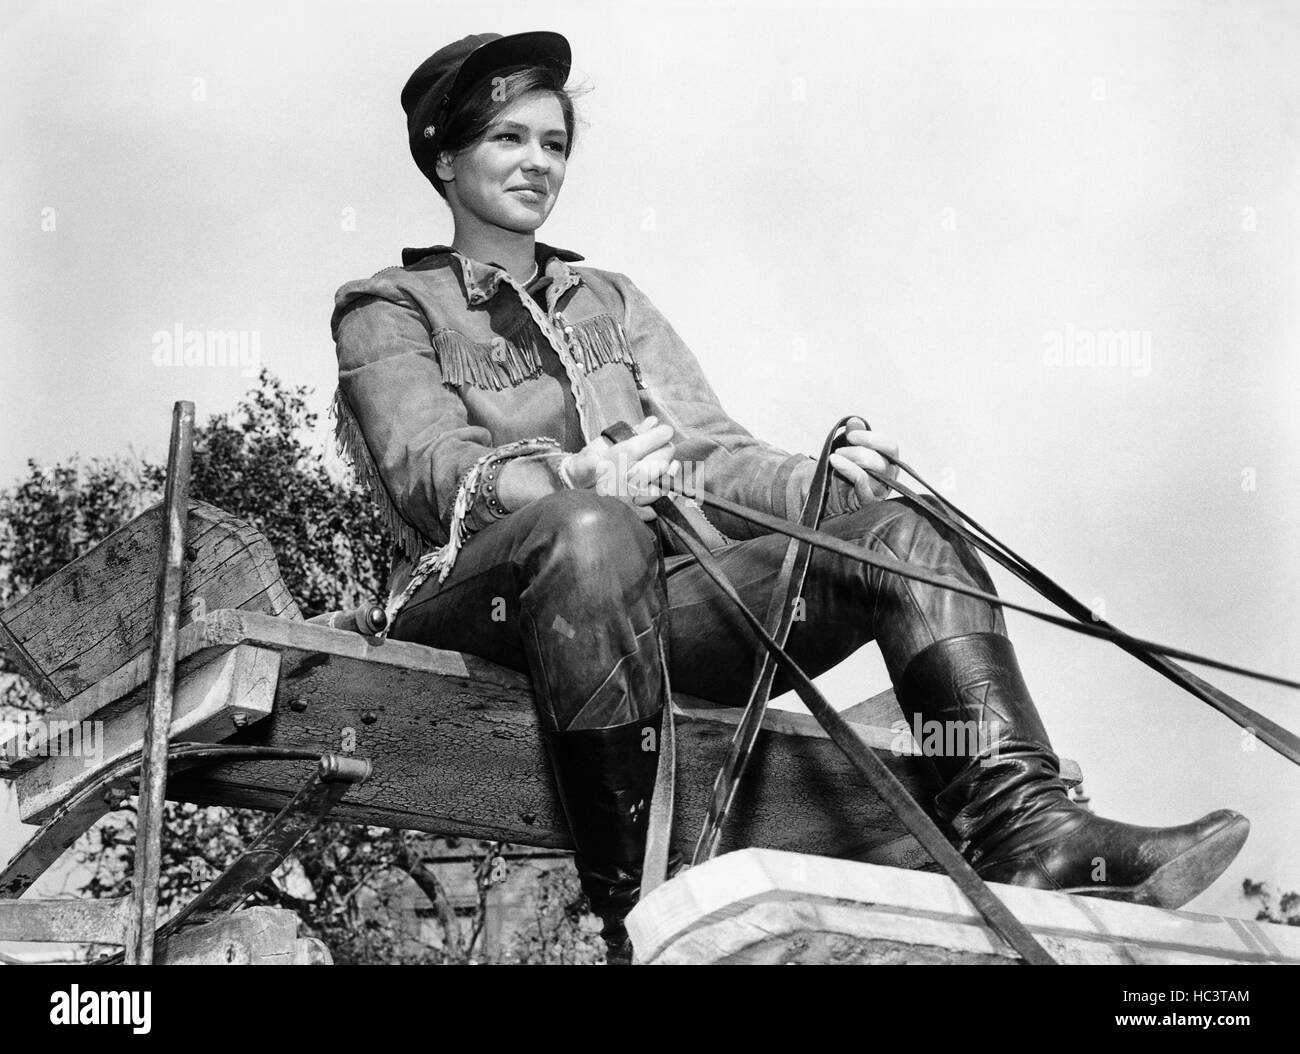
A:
<point x="523" y="224"/>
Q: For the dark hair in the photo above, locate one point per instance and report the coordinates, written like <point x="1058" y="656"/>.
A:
<point x="470" y="119"/>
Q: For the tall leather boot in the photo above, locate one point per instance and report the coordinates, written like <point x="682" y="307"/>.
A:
<point x="1007" y="809"/>
<point x="605" y="778"/>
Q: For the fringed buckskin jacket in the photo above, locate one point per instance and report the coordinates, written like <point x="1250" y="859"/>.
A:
<point x="448" y="367"/>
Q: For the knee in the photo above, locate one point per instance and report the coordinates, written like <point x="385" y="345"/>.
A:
<point x="915" y="536"/>
<point x="590" y="536"/>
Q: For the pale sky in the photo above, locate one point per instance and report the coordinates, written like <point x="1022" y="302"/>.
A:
<point x="897" y="211"/>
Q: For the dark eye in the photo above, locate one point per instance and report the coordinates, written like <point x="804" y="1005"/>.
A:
<point x="507" y="135"/>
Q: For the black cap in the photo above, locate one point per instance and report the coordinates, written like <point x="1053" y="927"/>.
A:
<point x="445" y="76"/>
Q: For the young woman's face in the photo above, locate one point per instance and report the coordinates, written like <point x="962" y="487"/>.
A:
<point x="512" y="176"/>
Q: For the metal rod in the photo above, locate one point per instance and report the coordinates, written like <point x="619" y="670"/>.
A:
<point x="162" y="684"/>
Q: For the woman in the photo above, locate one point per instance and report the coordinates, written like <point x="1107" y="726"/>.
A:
<point x="474" y="384"/>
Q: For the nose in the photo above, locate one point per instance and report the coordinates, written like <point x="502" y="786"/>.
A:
<point x="537" y="159"/>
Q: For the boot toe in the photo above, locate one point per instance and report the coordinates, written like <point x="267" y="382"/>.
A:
<point x="1158" y="867"/>
<point x="1165" y="867"/>
<point x="1211" y="844"/>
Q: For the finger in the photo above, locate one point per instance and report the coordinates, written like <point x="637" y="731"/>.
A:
<point x="660" y="487"/>
<point x="640" y="445"/>
<point x="866" y="458"/>
<point x="650" y="467"/>
<point x="874" y="441"/>
<point x="662" y="478"/>
<point x="846" y="468"/>
<point x="648" y="489"/>
<point x="856" y="475"/>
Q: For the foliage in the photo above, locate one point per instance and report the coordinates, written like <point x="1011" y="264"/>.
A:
<point x="561" y="930"/>
<point x="56" y="514"/>
<point x="331" y="544"/>
<point x="1271" y="908"/>
<point x="332" y="547"/>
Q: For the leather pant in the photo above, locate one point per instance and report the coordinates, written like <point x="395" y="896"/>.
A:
<point x="568" y="590"/>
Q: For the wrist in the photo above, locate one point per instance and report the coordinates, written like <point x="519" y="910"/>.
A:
<point x="562" y="473"/>
<point x="510" y="486"/>
<point x="570" y="473"/>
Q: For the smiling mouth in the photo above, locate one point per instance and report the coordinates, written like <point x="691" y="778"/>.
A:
<point x="533" y="191"/>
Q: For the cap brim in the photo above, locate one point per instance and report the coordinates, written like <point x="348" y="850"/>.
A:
<point x="518" y="49"/>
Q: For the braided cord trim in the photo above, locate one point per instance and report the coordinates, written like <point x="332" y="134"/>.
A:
<point x="443" y="558"/>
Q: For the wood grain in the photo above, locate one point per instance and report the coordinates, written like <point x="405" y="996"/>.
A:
<point x="92" y="616"/>
<point x="459" y="753"/>
<point x="210" y="704"/>
<point x="453" y="740"/>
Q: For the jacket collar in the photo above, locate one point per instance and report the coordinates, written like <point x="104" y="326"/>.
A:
<point x="483" y="279"/>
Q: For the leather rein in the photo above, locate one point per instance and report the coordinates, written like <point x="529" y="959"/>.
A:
<point x="774" y="631"/>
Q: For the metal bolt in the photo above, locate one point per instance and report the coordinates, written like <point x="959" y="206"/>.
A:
<point x="240" y="720"/>
<point x="369" y="717"/>
<point x="529" y="818"/>
<point x="297" y="705"/>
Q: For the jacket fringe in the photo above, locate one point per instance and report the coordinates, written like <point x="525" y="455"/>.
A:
<point x="505" y="363"/>
<point x="601" y="341"/>
<point x="351" y="444"/>
<point x="500" y="364"/>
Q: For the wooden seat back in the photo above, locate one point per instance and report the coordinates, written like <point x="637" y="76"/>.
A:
<point x="95" y="615"/>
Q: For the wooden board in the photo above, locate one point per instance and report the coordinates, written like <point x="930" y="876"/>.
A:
<point x="66" y="921"/>
<point x="763" y="907"/>
<point x="259" y="936"/>
<point x="92" y="616"/>
<point x="209" y="706"/>
<point x="454" y="745"/>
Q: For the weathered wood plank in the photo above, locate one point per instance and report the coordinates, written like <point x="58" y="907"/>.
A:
<point x="460" y="755"/>
<point x="95" y="614"/>
<point x="259" y="936"/>
<point x="211" y="704"/>
<point x="65" y="921"/>
<point x="764" y="907"/>
<point x="454" y="744"/>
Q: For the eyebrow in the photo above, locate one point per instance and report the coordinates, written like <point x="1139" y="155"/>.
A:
<point x="524" y="128"/>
